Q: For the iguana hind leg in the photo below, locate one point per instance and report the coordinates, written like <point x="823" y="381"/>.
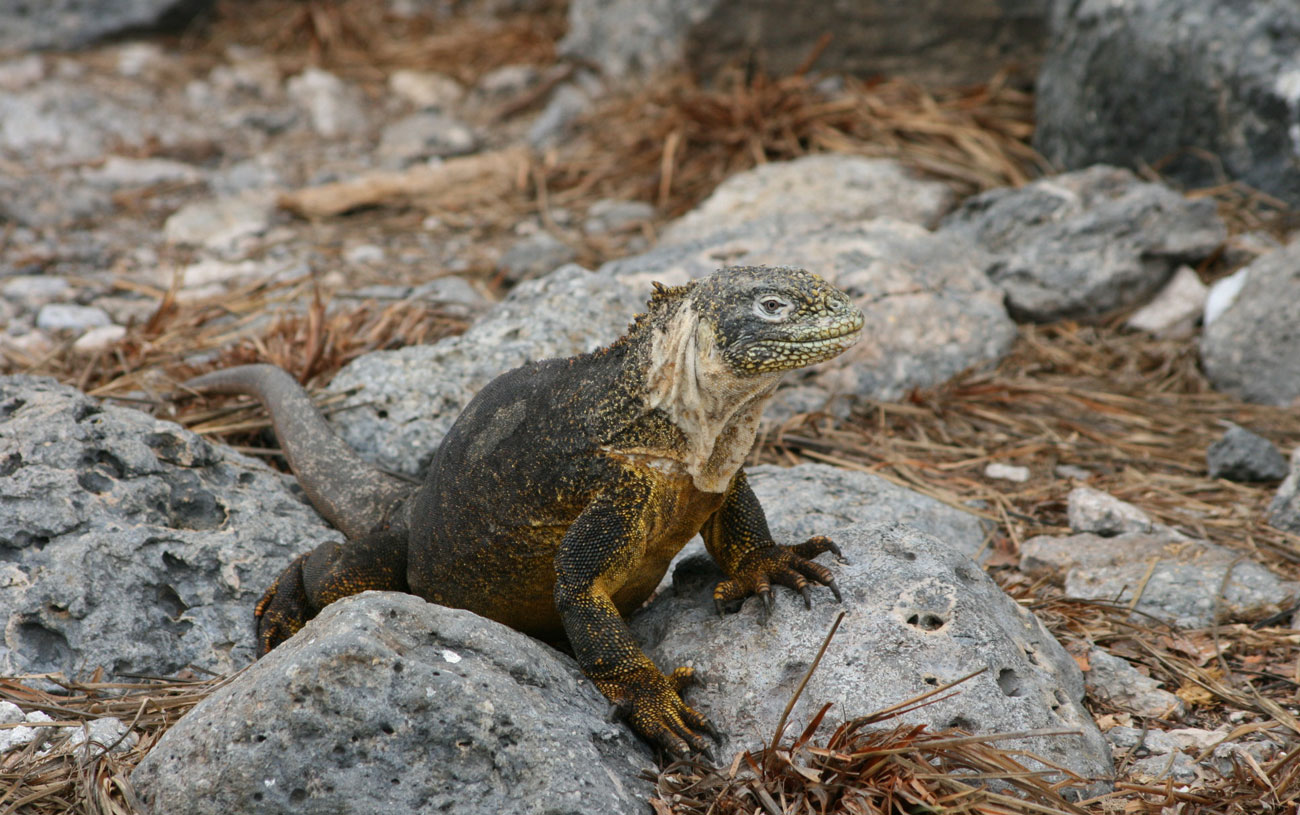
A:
<point x="327" y="573"/>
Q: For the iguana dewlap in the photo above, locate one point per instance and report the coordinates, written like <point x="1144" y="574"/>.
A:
<point x="561" y="493"/>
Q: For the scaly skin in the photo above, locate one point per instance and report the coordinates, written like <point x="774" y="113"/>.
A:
<point x="557" y="499"/>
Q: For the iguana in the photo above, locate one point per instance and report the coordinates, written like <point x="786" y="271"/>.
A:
<point x="561" y="493"/>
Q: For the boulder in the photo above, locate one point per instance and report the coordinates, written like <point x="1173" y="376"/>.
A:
<point x="927" y="40"/>
<point x="920" y="615"/>
<point x="65" y="24"/>
<point x="1083" y="244"/>
<point x="130" y="544"/>
<point x="1252" y="348"/>
<point x="1198" y="89"/>
<point x="386" y="703"/>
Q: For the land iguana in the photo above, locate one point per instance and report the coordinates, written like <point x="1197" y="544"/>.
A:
<point x="561" y="493"/>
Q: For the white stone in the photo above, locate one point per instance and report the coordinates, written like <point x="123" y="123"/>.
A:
<point x="364" y="254"/>
<point x="103" y="733"/>
<point x="426" y="89"/>
<point x="334" y="107"/>
<point x="1095" y="511"/>
<point x="209" y="270"/>
<point x="1007" y="472"/>
<point x="1223" y="294"/>
<point x="69" y="317"/>
<point x="1173" y="312"/>
<point x="219" y="223"/>
<point x="31" y="288"/>
<point x="120" y="171"/>
<point x="99" y="339"/>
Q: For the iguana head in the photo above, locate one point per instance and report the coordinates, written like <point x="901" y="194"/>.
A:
<point x="767" y="319"/>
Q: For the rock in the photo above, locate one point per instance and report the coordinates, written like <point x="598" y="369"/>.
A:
<point x="334" y="107"/>
<point x="425" y="89"/>
<point x="930" y="41"/>
<point x="68" y="24"/>
<point x="534" y="256"/>
<point x="99" y="339"/>
<point x="1090" y="510"/>
<point x="1223" y="294"/>
<point x="1083" y="244"/>
<point x="919" y="615"/>
<point x="21" y="72"/>
<point x="218" y="223"/>
<point x="1007" y="472"/>
<point x="119" y="171"/>
<point x="70" y="317"/>
<point x="568" y="103"/>
<point x="1182" y="581"/>
<point x="14" y="737"/>
<point x="507" y="81"/>
<point x="131" y="544"/>
<point x="1116" y="682"/>
<point x="1072" y="471"/>
<point x="1173" y="312"/>
<point x="425" y="135"/>
<point x="1196" y="88"/>
<point x="365" y="254"/>
<point x="386" y="703"/>
<point x="612" y="215"/>
<point x="817" y="499"/>
<point x="33" y="291"/>
<point x="1244" y="456"/>
<point x="1252" y="349"/>
<point x="451" y="290"/>
<point x="1284" y="509"/>
<point x="835" y="187"/>
<point x="98" y="736"/>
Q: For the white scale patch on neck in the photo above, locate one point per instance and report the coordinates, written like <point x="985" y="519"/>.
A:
<point x="717" y="411"/>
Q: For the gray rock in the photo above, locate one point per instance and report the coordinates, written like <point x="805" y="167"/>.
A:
<point x="1116" y="682"/>
<point x="613" y="215"/>
<point x="220" y="222"/>
<point x="129" y="543"/>
<point x="66" y="24"/>
<point x="1182" y="581"/>
<point x="835" y="187"/>
<point x="1090" y="510"/>
<point x="1284" y="509"/>
<point x="386" y="703"/>
<point x="1197" y="88"/>
<point x="816" y="499"/>
<point x="70" y="317"/>
<point x="333" y="106"/>
<point x="930" y="41"/>
<point x="424" y="135"/>
<point x="14" y="737"/>
<point x="119" y="171"/>
<point x="97" y="736"/>
<point x="33" y="291"/>
<point x="1082" y="244"/>
<point x="919" y="615"/>
<point x="534" y="256"/>
<point x="568" y="103"/>
<point x="1245" y="456"/>
<point x="943" y="317"/>
<point x="1173" y="312"/>
<point x="1252" y="350"/>
<point x="425" y="89"/>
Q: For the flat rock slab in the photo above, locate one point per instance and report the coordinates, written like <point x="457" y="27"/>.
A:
<point x="1182" y="580"/>
<point x="1252" y="349"/>
<point x="1082" y="244"/>
<point x="130" y="543"/>
<point x="386" y="703"/>
<point x="919" y="615"/>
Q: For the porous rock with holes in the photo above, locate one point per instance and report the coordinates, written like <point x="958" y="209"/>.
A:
<point x="386" y="703"/>
<point x="129" y="543"/>
<point x="919" y="615"/>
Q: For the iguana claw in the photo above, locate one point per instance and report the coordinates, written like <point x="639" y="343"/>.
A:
<point x="791" y="566"/>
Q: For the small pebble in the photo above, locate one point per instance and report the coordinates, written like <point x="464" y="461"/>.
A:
<point x="1007" y="472"/>
<point x="99" y="339"/>
<point x="69" y="317"/>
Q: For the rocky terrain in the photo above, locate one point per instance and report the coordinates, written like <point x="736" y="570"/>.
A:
<point x="1065" y="458"/>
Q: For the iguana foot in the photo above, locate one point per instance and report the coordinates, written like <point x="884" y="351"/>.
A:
<point x="652" y="704"/>
<point x="284" y="609"/>
<point x="790" y="566"/>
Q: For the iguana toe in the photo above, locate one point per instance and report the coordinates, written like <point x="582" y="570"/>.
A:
<point x="653" y="706"/>
<point x="789" y="566"/>
<point x="284" y="609"/>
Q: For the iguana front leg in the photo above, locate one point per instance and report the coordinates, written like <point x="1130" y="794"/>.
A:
<point x="599" y="551"/>
<point x="738" y="539"/>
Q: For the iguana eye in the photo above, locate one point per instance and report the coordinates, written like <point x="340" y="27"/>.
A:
<point x="772" y="307"/>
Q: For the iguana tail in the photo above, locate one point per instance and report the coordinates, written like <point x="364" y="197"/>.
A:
<point x="353" y="494"/>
